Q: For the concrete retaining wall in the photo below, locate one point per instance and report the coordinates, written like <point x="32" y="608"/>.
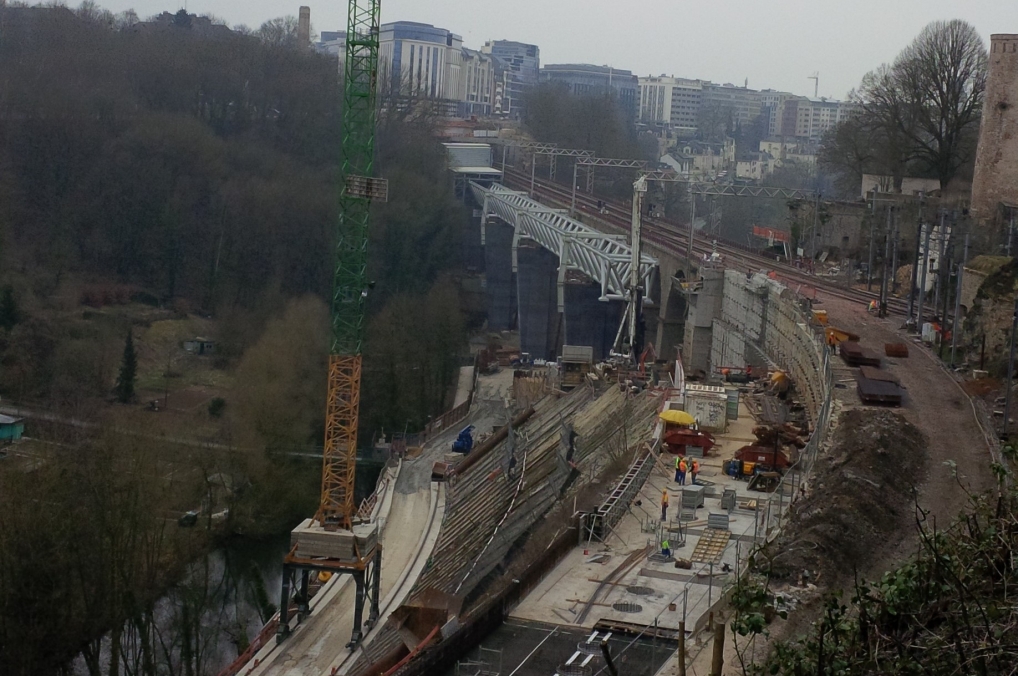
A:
<point x="761" y="321"/>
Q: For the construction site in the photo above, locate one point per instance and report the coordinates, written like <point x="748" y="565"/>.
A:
<point x="651" y="409"/>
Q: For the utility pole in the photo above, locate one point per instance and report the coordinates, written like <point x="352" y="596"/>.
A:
<point x="894" y="252"/>
<point x="1010" y="370"/>
<point x="957" y="300"/>
<point x="533" y="175"/>
<point x="572" y="202"/>
<point x="1010" y="231"/>
<point x="940" y="260"/>
<point x="882" y="311"/>
<point x="925" y="253"/>
<point x="873" y="228"/>
<point x="813" y="235"/>
<point x="635" y="290"/>
<point x="945" y="277"/>
<point x="915" y="265"/>
<point x="692" y="225"/>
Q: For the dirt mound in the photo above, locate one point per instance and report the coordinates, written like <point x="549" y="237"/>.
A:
<point x="858" y="502"/>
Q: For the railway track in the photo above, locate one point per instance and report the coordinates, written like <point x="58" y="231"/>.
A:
<point x="672" y="237"/>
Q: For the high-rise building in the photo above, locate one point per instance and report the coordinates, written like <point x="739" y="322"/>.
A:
<point x="588" y="80"/>
<point x="519" y="65"/>
<point x="421" y="61"/>
<point x="412" y="58"/>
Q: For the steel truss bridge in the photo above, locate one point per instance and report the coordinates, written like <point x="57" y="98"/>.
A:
<point x="606" y="259"/>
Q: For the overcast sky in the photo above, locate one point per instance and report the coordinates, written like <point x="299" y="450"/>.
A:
<point x="776" y="44"/>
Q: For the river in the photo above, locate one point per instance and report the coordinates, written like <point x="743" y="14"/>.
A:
<point x="209" y="617"/>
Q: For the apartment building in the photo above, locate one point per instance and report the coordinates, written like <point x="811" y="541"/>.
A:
<point x="670" y="101"/>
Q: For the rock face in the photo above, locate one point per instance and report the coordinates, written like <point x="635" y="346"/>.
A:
<point x="995" y="182"/>
<point x="990" y="317"/>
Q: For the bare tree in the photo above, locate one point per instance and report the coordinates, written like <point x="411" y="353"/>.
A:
<point x="920" y="113"/>
<point x="944" y="72"/>
<point x="279" y="32"/>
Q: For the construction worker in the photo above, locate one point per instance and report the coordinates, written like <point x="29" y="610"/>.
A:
<point x="694" y="470"/>
<point x="682" y="471"/>
<point x="678" y="477"/>
<point x="666" y="549"/>
<point x="664" y="505"/>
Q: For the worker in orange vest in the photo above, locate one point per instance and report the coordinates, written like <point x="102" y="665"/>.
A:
<point x="683" y="467"/>
<point x="664" y="505"/>
<point x="694" y="471"/>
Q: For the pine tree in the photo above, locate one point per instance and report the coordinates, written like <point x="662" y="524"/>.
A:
<point x="128" y="372"/>
<point x="9" y="312"/>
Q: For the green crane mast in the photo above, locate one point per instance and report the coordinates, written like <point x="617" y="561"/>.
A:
<point x="336" y="541"/>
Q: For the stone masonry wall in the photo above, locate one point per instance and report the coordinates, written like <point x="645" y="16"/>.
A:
<point x="996" y="172"/>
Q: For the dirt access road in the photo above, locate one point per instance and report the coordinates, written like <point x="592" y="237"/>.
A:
<point x="934" y="402"/>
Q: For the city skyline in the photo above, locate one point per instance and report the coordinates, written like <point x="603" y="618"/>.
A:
<point x="773" y="46"/>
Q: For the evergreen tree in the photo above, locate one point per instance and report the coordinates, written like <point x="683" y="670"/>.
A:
<point x="128" y="372"/>
<point x="9" y="313"/>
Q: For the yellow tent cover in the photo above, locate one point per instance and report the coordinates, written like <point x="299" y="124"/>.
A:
<point x="677" y="417"/>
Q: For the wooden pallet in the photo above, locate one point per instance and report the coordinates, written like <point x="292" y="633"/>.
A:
<point x="711" y="546"/>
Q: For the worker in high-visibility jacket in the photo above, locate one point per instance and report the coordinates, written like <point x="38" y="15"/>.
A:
<point x="666" y="549"/>
<point x="664" y="505"/>
<point x="678" y="477"/>
<point x="683" y="467"/>
<point x="694" y="470"/>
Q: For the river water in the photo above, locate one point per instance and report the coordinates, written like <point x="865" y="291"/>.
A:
<point x="222" y="602"/>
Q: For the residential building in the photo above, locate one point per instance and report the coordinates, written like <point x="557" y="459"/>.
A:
<point x="808" y="118"/>
<point x="771" y="103"/>
<point x="670" y="101"/>
<point x="518" y="65"/>
<point x="588" y="80"/>
<point x="474" y="79"/>
<point x="742" y="102"/>
<point x="680" y="163"/>
<point x="779" y="147"/>
<point x="705" y="159"/>
<point x="754" y="166"/>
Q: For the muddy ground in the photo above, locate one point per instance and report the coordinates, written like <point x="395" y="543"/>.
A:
<point x="861" y="498"/>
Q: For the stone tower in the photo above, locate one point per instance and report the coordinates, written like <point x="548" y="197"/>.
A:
<point x="304" y="28"/>
<point x="995" y="182"/>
